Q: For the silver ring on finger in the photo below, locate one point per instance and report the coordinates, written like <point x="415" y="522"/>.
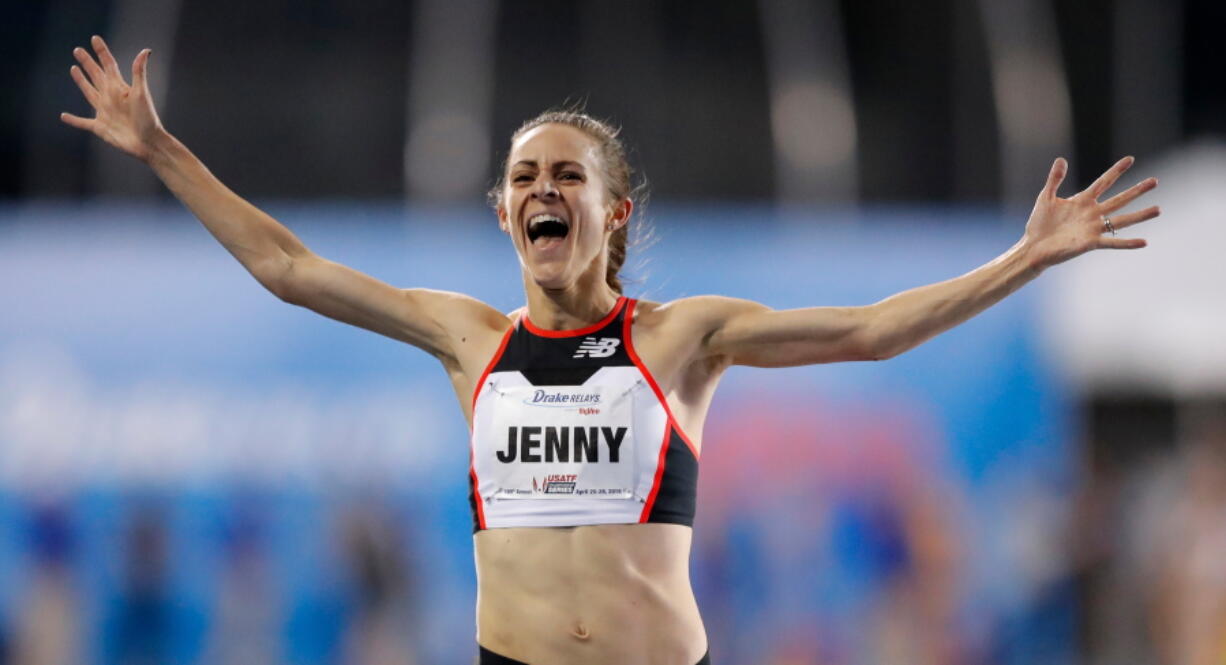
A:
<point x="1107" y="225"/>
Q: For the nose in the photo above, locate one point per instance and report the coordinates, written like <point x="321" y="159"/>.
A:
<point x="545" y="189"/>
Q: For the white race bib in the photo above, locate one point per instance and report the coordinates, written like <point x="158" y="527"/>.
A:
<point x="562" y="442"/>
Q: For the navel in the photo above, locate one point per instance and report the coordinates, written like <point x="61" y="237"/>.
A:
<point x="580" y="631"/>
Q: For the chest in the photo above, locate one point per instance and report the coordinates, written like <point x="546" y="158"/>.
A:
<point x="664" y="355"/>
<point x="566" y="433"/>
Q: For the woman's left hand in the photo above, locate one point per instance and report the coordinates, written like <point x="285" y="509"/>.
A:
<point x="1060" y="229"/>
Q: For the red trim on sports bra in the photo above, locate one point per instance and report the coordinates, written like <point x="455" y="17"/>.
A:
<point x="580" y="331"/>
<point x="472" y="458"/>
<point x="655" y="483"/>
<point x="477" y="500"/>
<point x="651" y="381"/>
<point x="502" y="347"/>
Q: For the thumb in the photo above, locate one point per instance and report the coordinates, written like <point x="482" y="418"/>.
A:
<point x="139" y="66"/>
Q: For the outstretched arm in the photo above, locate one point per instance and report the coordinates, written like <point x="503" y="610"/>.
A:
<point x="1059" y="229"/>
<point x="126" y="119"/>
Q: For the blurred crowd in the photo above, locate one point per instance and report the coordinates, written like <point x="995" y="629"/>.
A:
<point x="863" y="561"/>
<point x="1153" y="550"/>
<point x="75" y="604"/>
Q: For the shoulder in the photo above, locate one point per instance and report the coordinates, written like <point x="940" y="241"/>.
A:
<point x="700" y="315"/>
<point x="695" y="309"/>
<point x="460" y="311"/>
<point x="472" y="327"/>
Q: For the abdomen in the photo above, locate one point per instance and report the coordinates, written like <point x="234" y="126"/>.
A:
<point x="591" y="594"/>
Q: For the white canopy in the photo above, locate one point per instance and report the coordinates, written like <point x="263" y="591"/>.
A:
<point x="1152" y="319"/>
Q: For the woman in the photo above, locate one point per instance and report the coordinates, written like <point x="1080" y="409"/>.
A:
<point x="586" y="408"/>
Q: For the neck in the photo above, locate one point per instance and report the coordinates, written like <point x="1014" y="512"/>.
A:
<point x="581" y="304"/>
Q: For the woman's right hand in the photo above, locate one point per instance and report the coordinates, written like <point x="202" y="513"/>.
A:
<point x="124" y="115"/>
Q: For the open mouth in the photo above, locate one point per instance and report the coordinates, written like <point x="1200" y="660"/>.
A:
<point x="545" y="228"/>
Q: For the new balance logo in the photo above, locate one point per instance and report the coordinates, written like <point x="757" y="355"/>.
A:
<point x="592" y="347"/>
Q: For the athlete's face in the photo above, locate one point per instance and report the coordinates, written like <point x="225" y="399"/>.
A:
<point x="556" y="208"/>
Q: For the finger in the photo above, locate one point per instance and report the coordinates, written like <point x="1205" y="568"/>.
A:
<point x="1121" y="243"/>
<point x="90" y="65"/>
<point x="91" y="95"/>
<point x="104" y="56"/>
<point x="1127" y="196"/>
<point x="1127" y="220"/>
<point x="1108" y="178"/>
<point x="1054" y="177"/>
<point x="139" y="65"/>
<point x="77" y="121"/>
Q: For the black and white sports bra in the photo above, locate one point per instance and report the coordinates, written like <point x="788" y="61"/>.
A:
<point x="569" y="428"/>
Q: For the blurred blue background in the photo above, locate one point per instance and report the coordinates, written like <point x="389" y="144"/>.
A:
<point x="193" y="472"/>
<point x="194" y="452"/>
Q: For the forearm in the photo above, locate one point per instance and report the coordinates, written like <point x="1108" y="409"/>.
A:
<point x="906" y="320"/>
<point x="264" y="246"/>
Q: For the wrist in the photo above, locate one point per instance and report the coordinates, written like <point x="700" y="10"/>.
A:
<point x="160" y="148"/>
<point x="1028" y="257"/>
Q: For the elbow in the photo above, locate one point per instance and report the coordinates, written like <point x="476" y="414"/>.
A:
<point x="877" y="346"/>
<point x="877" y="354"/>
<point x="883" y="354"/>
<point x="283" y="290"/>
<point x="279" y="278"/>
<point x="887" y="348"/>
<point x="883" y="336"/>
<point x="865" y="337"/>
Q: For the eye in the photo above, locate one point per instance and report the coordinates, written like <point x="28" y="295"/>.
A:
<point x="570" y="175"/>
<point x="522" y="177"/>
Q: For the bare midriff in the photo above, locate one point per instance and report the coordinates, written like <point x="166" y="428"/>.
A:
<point x="604" y="594"/>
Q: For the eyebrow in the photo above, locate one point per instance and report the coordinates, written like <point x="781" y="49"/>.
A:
<point x="532" y="163"/>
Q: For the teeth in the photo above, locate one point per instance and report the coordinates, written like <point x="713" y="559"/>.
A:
<point x="536" y="222"/>
<point x="544" y="217"/>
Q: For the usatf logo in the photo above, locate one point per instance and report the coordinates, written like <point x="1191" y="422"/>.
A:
<point x="592" y="347"/>
<point x="557" y="483"/>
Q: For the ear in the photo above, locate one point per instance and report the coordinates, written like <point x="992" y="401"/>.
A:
<point x="620" y="215"/>
<point x="504" y="223"/>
